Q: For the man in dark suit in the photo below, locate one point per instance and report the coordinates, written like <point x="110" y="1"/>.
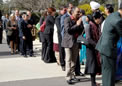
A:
<point x="61" y="49"/>
<point x="107" y="46"/>
<point x="72" y="28"/>
<point x="26" y="36"/>
<point x="30" y="26"/>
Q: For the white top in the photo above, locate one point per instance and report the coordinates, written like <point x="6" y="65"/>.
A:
<point x="102" y="26"/>
<point x="55" y="35"/>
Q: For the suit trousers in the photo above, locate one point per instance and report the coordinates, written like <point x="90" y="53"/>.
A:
<point x="1" y="33"/>
<point x="108" y="70"/>
<point x="27" y="44"/>
<point x="61" y="51"/>
<point x="71" y="58"/>
<point x="21" y="45"/>
<point x="77" y="68"/>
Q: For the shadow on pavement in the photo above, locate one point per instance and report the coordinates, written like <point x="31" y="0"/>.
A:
<point x="5" y="53"/>
<point x="57" y="81"/>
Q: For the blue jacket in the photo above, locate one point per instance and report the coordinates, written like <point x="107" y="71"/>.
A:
<point x="62" y="22"/>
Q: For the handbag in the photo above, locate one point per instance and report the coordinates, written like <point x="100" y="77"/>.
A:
<point x="42" y="27"/>
<point x="82" y="40"/>
<point x="9" y="32"/>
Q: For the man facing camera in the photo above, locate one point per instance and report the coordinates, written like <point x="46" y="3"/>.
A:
<point x="72" y="28"/>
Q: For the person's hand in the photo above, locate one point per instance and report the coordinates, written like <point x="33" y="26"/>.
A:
<point x="14" y="28"/>
<point x="29" y="26"/>
<point x="24" y="38"/>
<point x="79" y="21"/>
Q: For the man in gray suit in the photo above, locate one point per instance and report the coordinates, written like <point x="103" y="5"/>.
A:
<point x="72" y="28"/>
<point x="107" y="46"/>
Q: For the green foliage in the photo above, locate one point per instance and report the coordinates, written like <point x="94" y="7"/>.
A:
<point x="1" y="2"/>
<point x="87" y="8"/>
<point x="102" y="9"/>
<point x="58" y="3"/>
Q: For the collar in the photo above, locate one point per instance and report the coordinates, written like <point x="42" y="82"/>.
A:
<point x="73" y="18"/>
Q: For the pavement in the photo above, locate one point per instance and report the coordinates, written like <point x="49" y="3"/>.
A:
<point x="16" y="70"/>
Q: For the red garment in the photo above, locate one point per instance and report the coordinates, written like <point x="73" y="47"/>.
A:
<point x="95" y="30"/>
<point x="55" y="47"/>
<point x="72" y="18"/>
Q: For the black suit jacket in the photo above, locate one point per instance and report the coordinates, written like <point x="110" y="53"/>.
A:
<point x="112" y="31"/>
<point x="25" y="30"/>
<point x="70" y="30"/>
<point x="49" y="25"/>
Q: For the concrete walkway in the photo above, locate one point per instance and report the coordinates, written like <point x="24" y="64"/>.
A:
<point x="16" y="70"/>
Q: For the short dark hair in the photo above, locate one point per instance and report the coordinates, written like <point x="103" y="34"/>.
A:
<point x="120" y="6"/>
<point x="62" y="7"/>
<point x="109" y="7"/>
<point x="96" y="15"/>
<point x="83" y="12"/>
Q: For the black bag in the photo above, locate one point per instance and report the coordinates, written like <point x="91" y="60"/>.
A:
<point x="82" y="40"/>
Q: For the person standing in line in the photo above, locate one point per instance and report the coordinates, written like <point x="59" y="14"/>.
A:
<point x="107" y="46"/>
<point x="17" y="16"/>
<point x="95" y="8"/>
<point x="67" y="14"/>
<point x="119" y="61"/>
<point x="30" y="26"/>
<point x="21" y="34"/>
<point x="72" y="28"/>
<point x="12" y="33"/>
<point x="48" y="36"/>
<point x="61" y="49"/>
<point x="1" y="32"/>
<point x="42" y="19"/>
<point x="26" y="36"/>
<point x="92" y="57"/>
<point x="5" y="27"/>
<point x="108" y="10"/>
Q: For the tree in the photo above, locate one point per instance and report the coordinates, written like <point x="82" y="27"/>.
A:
<point x="1" y="2"/>
<point x="30" y="4"/>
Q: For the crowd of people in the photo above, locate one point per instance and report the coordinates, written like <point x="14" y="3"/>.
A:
<point x="69" y="32"/>
<point x="18" y="32"/>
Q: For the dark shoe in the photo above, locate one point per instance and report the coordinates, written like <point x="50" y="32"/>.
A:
<point x="15" y="52"/>
<point x="32" y="55"/>
<point x="70" y="82"/>
<point x="63" y="68"/>
<point x="79" y="74"/>
<point x="12" y="53"/>
<point x="25" y="56"/>
<point x="76" y="80"/>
